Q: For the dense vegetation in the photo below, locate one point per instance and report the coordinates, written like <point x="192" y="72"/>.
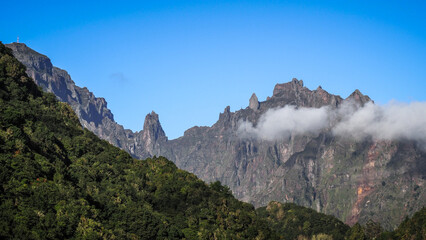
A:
<point x="290" y="220"/>
<point x="414" y="228"/>
<point x="59" y="181"/>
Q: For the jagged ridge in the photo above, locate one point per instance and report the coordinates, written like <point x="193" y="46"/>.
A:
<point x="330" y="174"/>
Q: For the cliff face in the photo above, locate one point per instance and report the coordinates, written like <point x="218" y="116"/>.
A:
<point x="92" y="111"/>
<point x="353" y="180"/>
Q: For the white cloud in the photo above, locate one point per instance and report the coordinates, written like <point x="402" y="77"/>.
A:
<point x="281" y="123"/>
<point x="393" y="121"/>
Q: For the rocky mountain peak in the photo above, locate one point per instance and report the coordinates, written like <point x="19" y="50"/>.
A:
<point x="294" y="93"/>
<point x="27" y="56"/>
<point x="254" y="102"/>
<point x="224" y="119"/>
<point x="92" y="111"/>
<point x="152" y="129"/>
<point x="227" y="109"/>
<point x="225" y="116"/>
<point x="295" y="81"/>
<point x="294" y="85"/>
<point x="358" y="97"/>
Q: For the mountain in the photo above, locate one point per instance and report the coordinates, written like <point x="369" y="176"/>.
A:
<point x="354" y="180"/>
<point x="60" y="181"/>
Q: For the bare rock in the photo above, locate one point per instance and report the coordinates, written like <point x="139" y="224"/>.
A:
<point x="254" y="102"/>
<point x="359" y="98"/>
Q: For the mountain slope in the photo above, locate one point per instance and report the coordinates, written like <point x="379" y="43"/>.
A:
<point x="60" y="181"/>
<point x="352" y="179"/>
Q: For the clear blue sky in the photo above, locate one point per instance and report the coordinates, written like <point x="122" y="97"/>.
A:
<point x="188" y="60"/>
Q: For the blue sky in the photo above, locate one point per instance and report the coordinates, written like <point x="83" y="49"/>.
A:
<point x="188" y="60"/>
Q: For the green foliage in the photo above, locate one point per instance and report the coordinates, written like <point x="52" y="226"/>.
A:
<point x="409" y="229"/>
<point x="292" y="221"/>
<point x="414" y="228"/>
<point x="356" y="233"/>
<point x="373" y="229"/>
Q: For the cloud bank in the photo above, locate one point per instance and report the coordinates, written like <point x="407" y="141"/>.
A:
<point x="281" y="123"/>
<point x="393" y="121"/>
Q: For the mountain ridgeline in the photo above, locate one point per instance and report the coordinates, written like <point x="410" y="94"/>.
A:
<point x="60" y="181"/>
<point x="92" y="111"/>
<point x="354" y="180"/>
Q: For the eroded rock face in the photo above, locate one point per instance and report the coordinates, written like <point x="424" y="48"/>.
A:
<point x="254" y="102"/>
<point x="92" y="111"/>
<point x="294" y="93"/>
<point x="353" y="180"/>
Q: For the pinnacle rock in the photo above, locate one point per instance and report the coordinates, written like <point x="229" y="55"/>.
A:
<point x="152" y="127"/>
<point x="254" y="102"/>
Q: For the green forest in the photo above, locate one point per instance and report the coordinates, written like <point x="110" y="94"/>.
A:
<point x="60" y="181"/>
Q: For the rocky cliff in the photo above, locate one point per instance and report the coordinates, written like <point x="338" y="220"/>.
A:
<point x="355" y="180"/>
<point x="92" y="111"/>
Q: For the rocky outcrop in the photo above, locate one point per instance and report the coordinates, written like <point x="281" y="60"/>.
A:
<point x="353" y="180"/>
<point x="294" y="93"/>
<point x="153" y="136"/>
<point x="254" y="102"/>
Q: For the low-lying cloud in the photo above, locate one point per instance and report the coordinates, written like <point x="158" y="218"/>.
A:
<point x="281" y="123"/>
<point x="393" y="121"/>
